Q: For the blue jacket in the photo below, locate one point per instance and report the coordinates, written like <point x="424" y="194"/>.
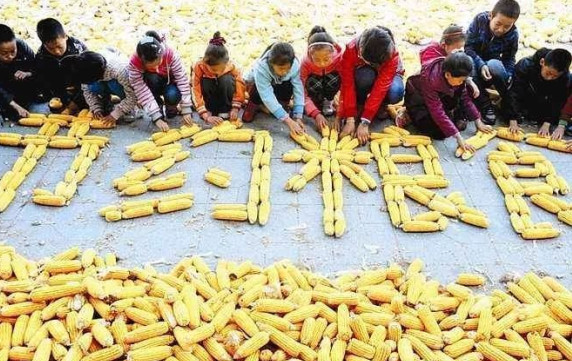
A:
<point x="263" y="77"/>
<point x="483" y="45"/>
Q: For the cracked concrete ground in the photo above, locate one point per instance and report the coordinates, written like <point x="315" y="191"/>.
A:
<point x="294" y="230"/>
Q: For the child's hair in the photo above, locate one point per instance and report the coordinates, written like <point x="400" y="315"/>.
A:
<point x="150" y="48"/>
<point x="458" y="64"/>
<point x="85" y="68"/>
<point x="49" y="29"/>
<point x="319" y="39"/>
<point x="508" y="8"/>
<point x="6" y="34"/>
<point x="453" y="34"/>
<point x="216" y="52"/>
<point x="376" y="45"/>
<point x="558" y="59"/>
<point x="280" y="54"/>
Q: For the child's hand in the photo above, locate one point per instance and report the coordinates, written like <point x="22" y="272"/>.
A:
<point x="362" y="133"/>
<point x="483" y="127"/>
<point x="464" y="145"/>
<point x="544" y="130"/>
<point x="212" y="120"/>
<point x="569" y="145"/>
<point x="22" y="112"/>
<point x="513" y="127"/>
<point x="72" y="108"/>
<point x="234" y="114"/>
<point x="21" y="75"/>
<point x="295" y="126"/>
<point x="161" y="124"/>
<point x="320" y="121"/>
<point x="486" y="73"/>
<point x="98" y="115"/>
<point x="188" y="119"/>
<point x="337" y="124"/>
<point x="109" y="120"/>
<point x="349" y="128"/>
<point x="558" y="132"/>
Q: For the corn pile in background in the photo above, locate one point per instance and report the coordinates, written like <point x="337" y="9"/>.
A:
<point x="189" y="26"/>
<point x="80" y="306"/>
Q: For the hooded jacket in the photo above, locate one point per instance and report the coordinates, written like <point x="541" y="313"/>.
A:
<point x="430" y="85"/>
<point x="263" y="77"/>
<point x="308" y="68"/>
<point x="385" y="74"/>
<point x="529" y="85"/>
<point x="482" y="45"/>
<point x="171" y="67"/>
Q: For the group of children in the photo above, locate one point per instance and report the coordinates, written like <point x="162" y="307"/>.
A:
<point x="356" y="83"/>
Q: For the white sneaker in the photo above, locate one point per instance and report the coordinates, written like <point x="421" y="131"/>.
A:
<point x="328" y="108"/>
<point x="136" y="113"/>
<point x="224" y="116"/>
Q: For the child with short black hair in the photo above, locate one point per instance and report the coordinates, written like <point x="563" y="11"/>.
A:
<point x="492" y="42"/>
<point x="320" y="74"/>
<point x="18" y="87"/>
<point x="56" y="46"/>
<point x="437" y="101"/>
<point x="539" y="91"/>
<point x="218" y="87"/>
<point x="274" y="80"/>
<point x="372" y="77"/>
<point x="158" y="77"/>
<point x="102" y="75"/>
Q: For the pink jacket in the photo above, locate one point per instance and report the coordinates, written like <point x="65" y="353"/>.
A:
<point x="430" y="52"/>
<point x="309" y="68"/>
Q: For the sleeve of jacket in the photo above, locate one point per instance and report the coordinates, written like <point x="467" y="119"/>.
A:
<point x="30" y="56"/>
<point x="311" y="108"/>
<point x="40" y="73"/>
<point x="474" y="42"/>
<point x="298" y="87"/>
<point x="266" y="92"/>
<point x="240" y="88"/>
<point x="469" y="105"/>
<point x="92" y="99"/>
<point x="182" y="81"/>
<point x="143" y="93"/>
<point x="385" y="76"/>
<point x="197" y="90"/>
<point x="436" y="110"/>
<point x="5" y="97"/>
<point x="127" y="104"/>
<point x="348" y="99"/>
<point x="509" y="56"/>
<point x="566" y="113"/>
<point x="556" y="103"/>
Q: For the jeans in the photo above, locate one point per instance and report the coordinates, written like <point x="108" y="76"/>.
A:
<point x="500" y="80"/>
<point x="107" y="88"/>
<point x="163" y="92"/>
<point x="365" y="77"/>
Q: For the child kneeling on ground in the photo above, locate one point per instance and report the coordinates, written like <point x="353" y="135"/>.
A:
<point x="437" y="100"/>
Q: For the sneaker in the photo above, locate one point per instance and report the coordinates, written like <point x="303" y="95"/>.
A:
<point x="224" y="116"/>
<point x="249" y="112"/>
<point x="489" y="116"/>
<point x="402" y="118"/>
<point x="171" y="111"/>
<point x="135" y="114"/>
<point x="461" y="124"/>
<point x="328" y="108"/>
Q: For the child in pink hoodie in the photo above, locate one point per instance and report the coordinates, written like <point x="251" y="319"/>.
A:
<point x="320" y="74"/>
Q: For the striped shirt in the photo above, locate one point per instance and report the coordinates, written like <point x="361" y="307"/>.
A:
<point x="172" y="68"/>
<point x="116" y="68"/>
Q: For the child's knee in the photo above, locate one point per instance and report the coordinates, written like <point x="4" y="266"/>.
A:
<point x="396" y="91"/>
<point x="96" y="87"/>
<point x="172" y="95"/>
<point x="497" y="69"/>
<point x="364" y="79"/>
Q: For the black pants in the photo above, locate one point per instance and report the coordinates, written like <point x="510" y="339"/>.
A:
<point x="163" y="92"/>
<point x="533" y="109"/>
<point x="218" y="93"/>
<point x="24" y="92"/>
<point x="323" y="87"/>
<point x="283" y="93"/>
<point x="420" y="116"/>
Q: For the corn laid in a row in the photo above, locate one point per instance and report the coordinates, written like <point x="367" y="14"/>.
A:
<point x="144" y="208"/>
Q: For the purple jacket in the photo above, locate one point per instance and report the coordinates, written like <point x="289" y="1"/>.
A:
<point x="432" y="86"/>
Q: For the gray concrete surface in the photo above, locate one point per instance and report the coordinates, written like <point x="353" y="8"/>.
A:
<point x="295" y="227"/>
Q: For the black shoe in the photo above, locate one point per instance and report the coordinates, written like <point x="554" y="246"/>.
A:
<point x="569" y="130"/>
<point x="489" y="116"/>
<point x="461" y="124"/>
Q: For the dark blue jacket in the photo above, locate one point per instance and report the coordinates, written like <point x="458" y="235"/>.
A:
<point x="483" y="45"/>
<point x="24" y="61"/>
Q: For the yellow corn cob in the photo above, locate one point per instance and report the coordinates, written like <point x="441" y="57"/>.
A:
<point x="156" y="353"/>
<point x="174" y="205"/>
<point x="474" y="220"/>
<point x="217" y="180"/>
<point x="539" y="233"/>
<point x="106" y="354"/>
<point x="6" y="197"/>
<point x="230" y="215"/>
<point x="137" y="212"/>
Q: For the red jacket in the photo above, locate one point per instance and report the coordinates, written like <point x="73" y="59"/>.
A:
<point x="385" y="74"/>
<point x="430" y="52"/>
<point x="309" y="68"/>
<point x="567" y="110"/>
